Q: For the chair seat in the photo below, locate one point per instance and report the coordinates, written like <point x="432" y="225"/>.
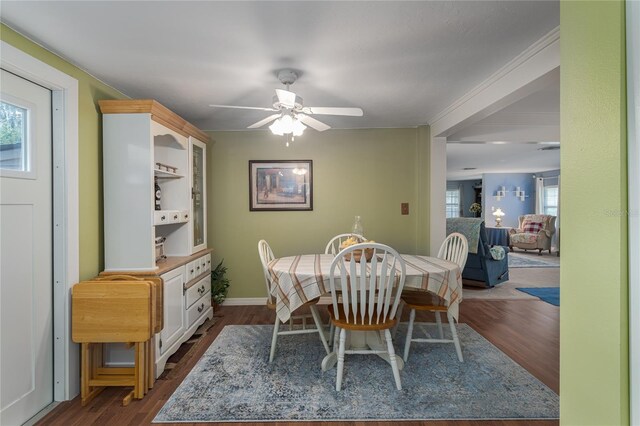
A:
<point x="272" y="305"/>
<point x="357" y="323"/>
<point x="524" y="238"/>
<point x="424" y="301"/>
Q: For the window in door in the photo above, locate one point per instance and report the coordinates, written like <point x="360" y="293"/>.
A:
<point x="551" y="200"/>
<point x="13" y="141"/>
<point x="453" y="203"/>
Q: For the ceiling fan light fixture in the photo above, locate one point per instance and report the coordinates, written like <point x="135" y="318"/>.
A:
<point x="276" y="128"/>
<point x="286" y="125"/>
<point x="298" y="127"/>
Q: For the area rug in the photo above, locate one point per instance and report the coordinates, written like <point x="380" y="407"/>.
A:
<point x="547" y="294"/>
<point x="518" y="260"/>
<point x="234" y="382"/>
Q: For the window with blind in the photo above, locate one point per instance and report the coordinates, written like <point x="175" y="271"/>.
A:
<point x="551" y="200"/>
<point x="453" y="203"/>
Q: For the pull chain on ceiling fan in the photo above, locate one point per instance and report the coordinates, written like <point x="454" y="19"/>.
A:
<point x="291" y="117"/>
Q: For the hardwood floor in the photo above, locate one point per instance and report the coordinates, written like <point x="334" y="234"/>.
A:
<point x="528" y="331"/>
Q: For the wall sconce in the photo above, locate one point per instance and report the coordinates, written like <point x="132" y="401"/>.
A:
<point x="500" y="193"/>
<point x="519" y="193"/>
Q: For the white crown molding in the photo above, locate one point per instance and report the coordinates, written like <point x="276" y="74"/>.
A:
<point x="511" y="67"/>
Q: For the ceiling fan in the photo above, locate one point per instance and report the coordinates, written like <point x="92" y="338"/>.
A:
<point x="291" y="116"/>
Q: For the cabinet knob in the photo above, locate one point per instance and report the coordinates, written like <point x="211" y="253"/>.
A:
<point x="163" y="217"/>
<point x="198" y="268"/>
<point x="201" y="308"/>
<point x="192" y="271"/>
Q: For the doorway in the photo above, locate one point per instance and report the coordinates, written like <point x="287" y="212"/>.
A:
<point x="26" y="249"/>
<point x="64" y="119"/>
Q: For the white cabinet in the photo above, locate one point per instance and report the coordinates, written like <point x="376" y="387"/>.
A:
<point x="187" y="306"/>
<point x="145" y="144"/>
<point x="174" y="325"/>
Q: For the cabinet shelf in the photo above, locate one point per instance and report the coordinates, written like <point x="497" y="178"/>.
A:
<point x="163" y="174"/>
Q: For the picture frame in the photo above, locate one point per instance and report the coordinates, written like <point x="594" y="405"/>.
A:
<point x="280" y="185"/>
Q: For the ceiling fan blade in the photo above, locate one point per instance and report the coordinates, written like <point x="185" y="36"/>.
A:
<point x="286" y="98"/>
<point x="264" y="121"/>
<point x="313" y="123"/>
<point x="243" y="107"/>
<point x="355" y="112"/>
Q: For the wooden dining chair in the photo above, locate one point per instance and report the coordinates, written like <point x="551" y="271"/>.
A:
<point x="266" y="256"/>
<point x="333" y="246"/>
<point x="455" y="249"/>
<point x="369" y="299"/>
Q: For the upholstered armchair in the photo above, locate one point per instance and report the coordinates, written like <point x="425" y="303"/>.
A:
<point x="534" y="232"/>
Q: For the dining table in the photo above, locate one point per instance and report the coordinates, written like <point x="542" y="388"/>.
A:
<point x="301" y="278"/>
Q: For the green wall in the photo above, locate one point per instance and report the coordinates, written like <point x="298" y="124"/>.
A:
<point x="90" y="90"/>
<point x="594" y="371"/>
<point x="355" y="172"/>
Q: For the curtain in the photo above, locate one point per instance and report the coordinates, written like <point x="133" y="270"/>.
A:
<point x="539" y="195"/>
<point x="461" y="198"/>
<point x="555" y="241"/>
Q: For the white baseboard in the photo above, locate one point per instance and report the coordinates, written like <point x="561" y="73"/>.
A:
<point x="244" y="301"/>
<point x="255" y="301"/>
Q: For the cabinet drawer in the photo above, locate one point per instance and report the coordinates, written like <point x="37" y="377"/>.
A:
<point x="184" y="216"/>
<point x="174" y="216"/>
<point x="191" y="270"/>
<point x="198" y="309"/>
<point x="197" y="265"/>
<point x="196" y="291"/>
<point x="160" y="217"/>
<point x="208" y="262"/>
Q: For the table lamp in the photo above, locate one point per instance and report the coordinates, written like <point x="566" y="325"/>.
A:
<point x="498" y="213"/>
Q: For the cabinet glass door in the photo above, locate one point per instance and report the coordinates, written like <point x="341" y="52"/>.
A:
<point x="198" y="195"/>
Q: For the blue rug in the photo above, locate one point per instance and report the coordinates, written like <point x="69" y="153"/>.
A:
<point x="235" y="382"/>
<point x="546" y="294"/>
<point x="518" y="260"/>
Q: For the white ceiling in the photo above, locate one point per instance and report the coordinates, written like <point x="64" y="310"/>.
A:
<point x="401" y="62"/>
<point x="511" y="140"/>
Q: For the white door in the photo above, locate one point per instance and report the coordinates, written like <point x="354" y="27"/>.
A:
<point x="26" y="271"/>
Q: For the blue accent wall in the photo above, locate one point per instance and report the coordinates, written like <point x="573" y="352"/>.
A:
<point x="468" y="193"/>
<point x="510" y="204"/>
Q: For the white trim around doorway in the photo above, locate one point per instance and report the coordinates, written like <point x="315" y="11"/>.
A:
<point x="64" y="89"/>
<point x="633" y="152"/>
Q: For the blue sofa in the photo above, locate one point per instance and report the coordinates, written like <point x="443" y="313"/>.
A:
<point x="482" y="268"/>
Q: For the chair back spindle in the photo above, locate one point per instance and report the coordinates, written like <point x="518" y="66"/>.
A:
<point x="370" y="290"/>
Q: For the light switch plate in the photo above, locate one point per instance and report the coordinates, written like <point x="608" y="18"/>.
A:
<point x="404" y="208"/>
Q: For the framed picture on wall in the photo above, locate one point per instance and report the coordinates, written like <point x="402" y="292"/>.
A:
<point x="280" y="185"/>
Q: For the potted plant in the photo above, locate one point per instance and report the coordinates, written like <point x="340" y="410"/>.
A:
<point x="219" y="284"/>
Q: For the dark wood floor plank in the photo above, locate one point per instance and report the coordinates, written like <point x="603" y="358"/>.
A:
<point x="526" y="330"/>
